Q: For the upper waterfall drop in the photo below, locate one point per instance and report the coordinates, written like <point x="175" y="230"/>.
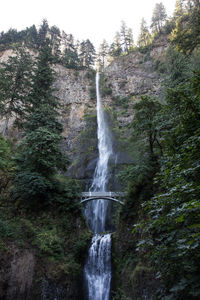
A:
<point x="97" y="270"/>
<point x="100" y="179"/>
<point x="96" y="212"/>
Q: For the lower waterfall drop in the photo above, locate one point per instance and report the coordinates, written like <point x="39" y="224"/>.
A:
<point x="97" y="270"/>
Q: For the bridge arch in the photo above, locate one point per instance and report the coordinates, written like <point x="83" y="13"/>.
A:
<point x="91" y="196"/>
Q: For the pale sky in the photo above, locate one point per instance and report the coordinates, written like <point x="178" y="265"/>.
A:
<point x="91" y="19"/>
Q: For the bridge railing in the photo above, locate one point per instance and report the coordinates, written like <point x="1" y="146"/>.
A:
<point x="102" y="194"/>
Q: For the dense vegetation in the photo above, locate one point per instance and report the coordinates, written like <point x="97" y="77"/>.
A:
<point x="162" y="211"/>
<point x="38" y="204"/>
<point x="162" y="205"/>
<point x="65" y="49"/>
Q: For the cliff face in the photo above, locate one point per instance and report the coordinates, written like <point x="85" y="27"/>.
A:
<point x="133" y="75"/>
<point x="127" y="77"/>
<point x="73" y="90"/>
<point x="123" y="81"/>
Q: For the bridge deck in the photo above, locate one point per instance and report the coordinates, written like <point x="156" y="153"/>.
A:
<point x="102" y="194"/>
<point x="112" y="196"/>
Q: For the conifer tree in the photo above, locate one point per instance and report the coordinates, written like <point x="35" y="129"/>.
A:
<point x="103" y="52"/>
<point x="32" y="37"/>
<point x="55" y="41"/>
<point x="144" y="35"/>
<point x="40" y="155"/>
<point x="42" y="34"/>
<point x="116" y="48"/>
<point x="87" y="54"/>
<point x="126" y="34"/>
<point x="15" y="85"/>
<point x="179" y="9"/>
<point x="70" y="57"/>
<point x="186" y="34"/>
<point x="144" y="121"/>
<point x="158" y="17"/>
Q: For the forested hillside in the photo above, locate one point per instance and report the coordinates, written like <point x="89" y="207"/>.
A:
<point x="158" y="252"/>
<point x="156" y="133"/>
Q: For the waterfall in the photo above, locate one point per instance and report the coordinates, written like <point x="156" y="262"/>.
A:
<point x="97" y="270"/>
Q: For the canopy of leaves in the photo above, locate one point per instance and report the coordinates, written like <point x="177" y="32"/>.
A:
<point x="186" y="34"/>
<point x="39" y="155"/>
<point x="15" y="86"/>
<point x="172" y="231"/>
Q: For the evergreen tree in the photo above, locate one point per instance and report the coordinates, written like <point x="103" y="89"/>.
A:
<point x="87" y="54"/>
<point x="103" y="53"/>
<point x="15" y="85"/>
<point x="116" y="48"/>
<point x="144" y="36"/>
<point x="126" y="37"/>
<point x="55" y="38"/>
<point x="130" y="40"/>
<point x="32" y="37"/>
<point x="186" y="34"/>
<point x="179" y="9"/>
<point x="70" y="57"/>
<point x="9" y="37"/>
<point x="174" y="219"/>
<point x="40" y="155"/>
<point x="159" y="17"/>
<point x="144" y="122"/>
<point x="176" y="66"/>
<point x="42" y="34"/>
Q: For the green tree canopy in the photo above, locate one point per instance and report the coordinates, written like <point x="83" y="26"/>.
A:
<point x="40" y="155"/>
<point x="159" y="17"/>
<point x="144" y="35"/>
<point x="15" y="85"/>
<point x="144" y="122"/>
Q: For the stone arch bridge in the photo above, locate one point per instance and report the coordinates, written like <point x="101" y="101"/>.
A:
<point x="111" y="196"/>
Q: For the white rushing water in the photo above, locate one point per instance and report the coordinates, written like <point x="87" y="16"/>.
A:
<point x="97" y="270"/>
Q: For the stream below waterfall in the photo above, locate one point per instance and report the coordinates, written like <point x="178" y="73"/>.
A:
<point x="97" y="269"/>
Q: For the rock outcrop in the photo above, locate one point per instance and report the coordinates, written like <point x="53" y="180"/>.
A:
<point x="128" y="78"/>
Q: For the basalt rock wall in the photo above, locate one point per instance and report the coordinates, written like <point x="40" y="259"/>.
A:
<point x="128" y="77"/>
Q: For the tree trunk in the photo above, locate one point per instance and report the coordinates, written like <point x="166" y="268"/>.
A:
<point x="5" y="126"/>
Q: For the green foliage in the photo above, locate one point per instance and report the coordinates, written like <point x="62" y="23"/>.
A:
<point x="64" y="48"/>
<point x="92" y="92"/>
<point x="15" y="86"/>
<point x="144" y="36"/>
<point x="122" y="101"/>
<point x="70" y="59"/>
<point x="49" y="243"/>
<point x="176" y="67"/>
<point x="185" y="35"/>
<point x="158" y="17"/>
<point x="139" y="185"/>
<point x="159" y="66"/>
<point x="116" y="48"/>
<point x="102" y="54"/>
<point x="145" y="122"/>
<point x="123" y="42"/>
<point x="33" y="188"/>
<point x="172" y="231"/>
<point x="127" y="41"/>
<point x="67" y="194"/>
<point x="87" y="54"/>
<point x="41" y="152"/>
<point x="106" y="89"/>
<point x="59" y="247"/>
<point x="40" y="156"/>
<point x="5" y="153"/>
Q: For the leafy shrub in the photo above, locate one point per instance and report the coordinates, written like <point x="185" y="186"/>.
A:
<point x="50" y="243"/>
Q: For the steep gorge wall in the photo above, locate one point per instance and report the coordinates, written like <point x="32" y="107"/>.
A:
<point x="128" y="77"/>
